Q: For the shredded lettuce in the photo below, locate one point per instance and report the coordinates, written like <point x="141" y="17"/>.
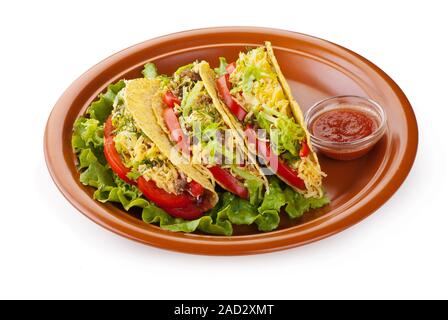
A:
<point x="183" y="68"/>
<point x="190" y="98"/>
<point x="221" y="70"/>
<point x="287" y="128"/>
<point x="251" y="74"/>
<point x="150" y="71"/>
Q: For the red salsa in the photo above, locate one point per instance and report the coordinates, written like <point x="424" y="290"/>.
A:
<point x="343" y="125"/>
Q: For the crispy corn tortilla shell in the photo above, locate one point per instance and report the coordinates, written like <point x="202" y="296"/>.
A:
<point x="295" y="108"/>
<point x="208" y="77"/>
<point x="140" y="95"/>
<point x="157" y="106"/>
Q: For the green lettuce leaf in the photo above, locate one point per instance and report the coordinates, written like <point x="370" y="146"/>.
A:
<point x="121" y="192"/>
<point x="274" y="199"/>
<point x="252" y="183"/>
<point x="87" y="141"/>
<point x="102" y="107"/>
<point x="297" y="204"/>
<point x="85" y="158"/>
<point x="96" y="175"/>
<point x="87" y="133"/>
<point x="269" y="210"/>
<point x="268" y="220"/>
<point x="153" y="214"/>
<point x="237" y="210"/>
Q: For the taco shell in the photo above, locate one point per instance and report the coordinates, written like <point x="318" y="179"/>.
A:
<point x="295" y="108"/>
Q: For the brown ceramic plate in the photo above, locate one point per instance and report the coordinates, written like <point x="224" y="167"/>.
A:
<point x="315" y="69"/>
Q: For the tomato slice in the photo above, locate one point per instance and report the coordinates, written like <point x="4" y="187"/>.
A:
<point x="304" y="150"/>
<point x="224" y="92"/>
<point x="289" y="175"/>
<point x="284" y="171"/>
<point x="231" y="67"/>
<point x="187" y="213"/>
<point x="161" y="197"/>
<point x="229" y="182"/>
<point x="196" y="189"/>
<point x="111" y="154"/>
<point x="173" y="124"/>
<point x="170" y="99"/>
<point x="180" y="206"/>
<point x="263" y="148"/>
<point x="176" y="133"/>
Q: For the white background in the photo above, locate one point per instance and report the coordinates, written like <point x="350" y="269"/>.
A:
<point x="49" y="250"/>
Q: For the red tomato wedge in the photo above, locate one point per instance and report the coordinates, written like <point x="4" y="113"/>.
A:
<point x="196" y="189"/>
<point x="173" y="124"/>
<point x="284" y="171"/>
<point x="181" y="206"/>
<point x="230" y="67"/>
<point x="176" y="133"/>
<point x="161" y="197"/>
<point x="111" y="154"/>
<point x="224" y="92"/>
<point x="170" y="99"/>
<point x="304" y="150"/>
<point x="187" y="213"/>
<point x="289" y="175"/>
<point x="229" y="182"/>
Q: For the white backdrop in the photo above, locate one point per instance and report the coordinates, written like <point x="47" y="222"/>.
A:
<point x="50" y="250"/>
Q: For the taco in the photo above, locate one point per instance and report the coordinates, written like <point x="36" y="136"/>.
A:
<point x="260" y="103"/>
<point x="190" y="117"/>
<point x="134" y="148"/>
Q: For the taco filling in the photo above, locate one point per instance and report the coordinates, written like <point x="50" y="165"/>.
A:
<point x="192" y="121"/>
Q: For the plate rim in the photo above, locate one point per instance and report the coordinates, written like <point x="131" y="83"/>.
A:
<point x="221" y="245"/>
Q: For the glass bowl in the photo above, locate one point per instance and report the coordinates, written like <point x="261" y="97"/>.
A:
<point x="347" y="150"/>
